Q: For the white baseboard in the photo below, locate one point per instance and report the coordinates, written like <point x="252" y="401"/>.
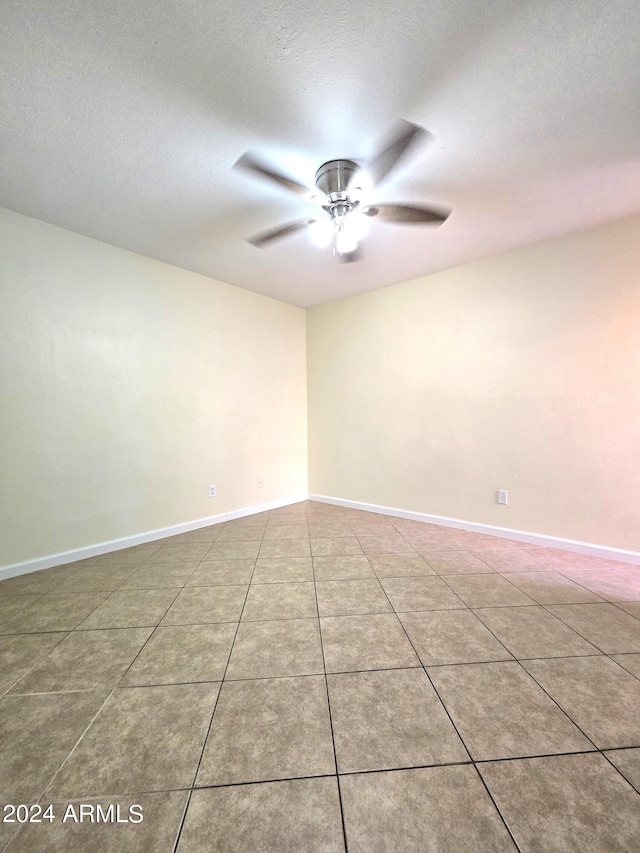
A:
<point x="137" y="539"/>
<point x="504" y="532"/>
<point x="151" y="535"/>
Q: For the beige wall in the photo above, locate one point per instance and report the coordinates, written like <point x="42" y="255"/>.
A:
<point x="128" y="386"/>
<point x="519" y="372"/>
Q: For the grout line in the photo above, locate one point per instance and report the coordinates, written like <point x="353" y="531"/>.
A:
<point x="571" y="720"/>
<point x="333" y="739"/>
<point x="446" y="710"/>
<point x="636" y="787"/>
<point x="74" y="747"/>
<point x="155" y="628"/>
<point x="215" y="705"/>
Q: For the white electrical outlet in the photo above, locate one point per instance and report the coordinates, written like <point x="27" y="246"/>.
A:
<point x="260" y="483"/>
<point x="212" y="491"/>
<point x="503" y="496"/>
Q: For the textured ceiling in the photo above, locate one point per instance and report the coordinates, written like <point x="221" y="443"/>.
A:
<point x="121" y="121"/>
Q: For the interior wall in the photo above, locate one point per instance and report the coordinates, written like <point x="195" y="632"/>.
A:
<point x="519" y="372"/>
<point x="129" y="386"/>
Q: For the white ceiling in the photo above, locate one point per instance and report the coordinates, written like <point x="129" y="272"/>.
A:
<point x="121" y="121"/>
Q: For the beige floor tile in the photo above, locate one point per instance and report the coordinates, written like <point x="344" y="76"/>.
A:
<point x="222" y="573"/>
<point x="36" y="735"/>
<point x="52" y="612"/>
<point x="611" y="584"/>
<point x="353" y="643"/>
<point x="630" y="662"/>
<point x="452" y="636"/>
<point x="241" y="534"/>
<point x="299" y="508"/>
<point x="443" y="809"/>
<point x="85" y="660"/>
<point x="94" y="578"/>
<point x="7" y="831"/>
<point x="605" y="625"/>
<point x="181" y="654"/>
<point x="600" y="696"/>
<point x="471" y="539"/>
<point x="36" y="583"/>
<point x="487" y="591"/>
<point x="509" y="560"/>
<point x="242" y="550"/>
<point x="632" y="607"/>
<point x="155" y="833"/>
<point x="500" y="712"/>
<point x="342" y="568"/>
<point x="627" y="762"/>
<point x="533" y="632"/>
<point x="351" y="598"/>
<point x="181" y="552"/>
<point x="290" y="519"/>
<point x="276" y="817"/>
<point x="455" y="562"/>
<point x="566" y="804"/>
<point x="552" y="588"/>
<point x="157" y="575"/>
<point x="143" y="739"/>
<point x="435" y="545"/>
<point x="342" y="546"/>
<point x="400" y="565"/>
<point x="19" y="652"/>
<point x="133" y="608"/>
<point x="556" y="558"/>
<point x="275" y="648"/>
<point x="268" y="729"/>
<point x="389" y="719"/>
<point x="199" y="604"/>
<point x="279" y="548"/>
<point x="283" y="570"/>
<point x="321" y="530"/>
<point x="280" y="601"/>
<point x="324" y="517"/>
<point x="380" y="527"/>
<point x="286" y="531"/>
<point x="12" y="604"/>
<point x="420" y="593"/>
<point x="389" y="544"/>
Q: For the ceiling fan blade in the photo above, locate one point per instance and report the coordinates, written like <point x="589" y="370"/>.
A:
<point x="403" y="136"/>
<point x="408" y="213"/>
<point x="265" y="237"/>
<point x="250" y="163"/>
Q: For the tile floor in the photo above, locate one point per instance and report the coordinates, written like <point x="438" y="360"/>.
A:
<point x="320" y="679"/>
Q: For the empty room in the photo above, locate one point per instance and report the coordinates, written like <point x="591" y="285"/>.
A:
<point x="320" y="426"/>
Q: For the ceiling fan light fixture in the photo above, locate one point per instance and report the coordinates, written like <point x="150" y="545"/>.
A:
<point x="346" y="241"/>
<point x="357" y="224"/>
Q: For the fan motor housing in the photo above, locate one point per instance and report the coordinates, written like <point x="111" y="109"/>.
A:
<point x="334" y="176"/>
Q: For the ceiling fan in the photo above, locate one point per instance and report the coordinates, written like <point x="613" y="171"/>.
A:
<point x="340" y="190"/>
